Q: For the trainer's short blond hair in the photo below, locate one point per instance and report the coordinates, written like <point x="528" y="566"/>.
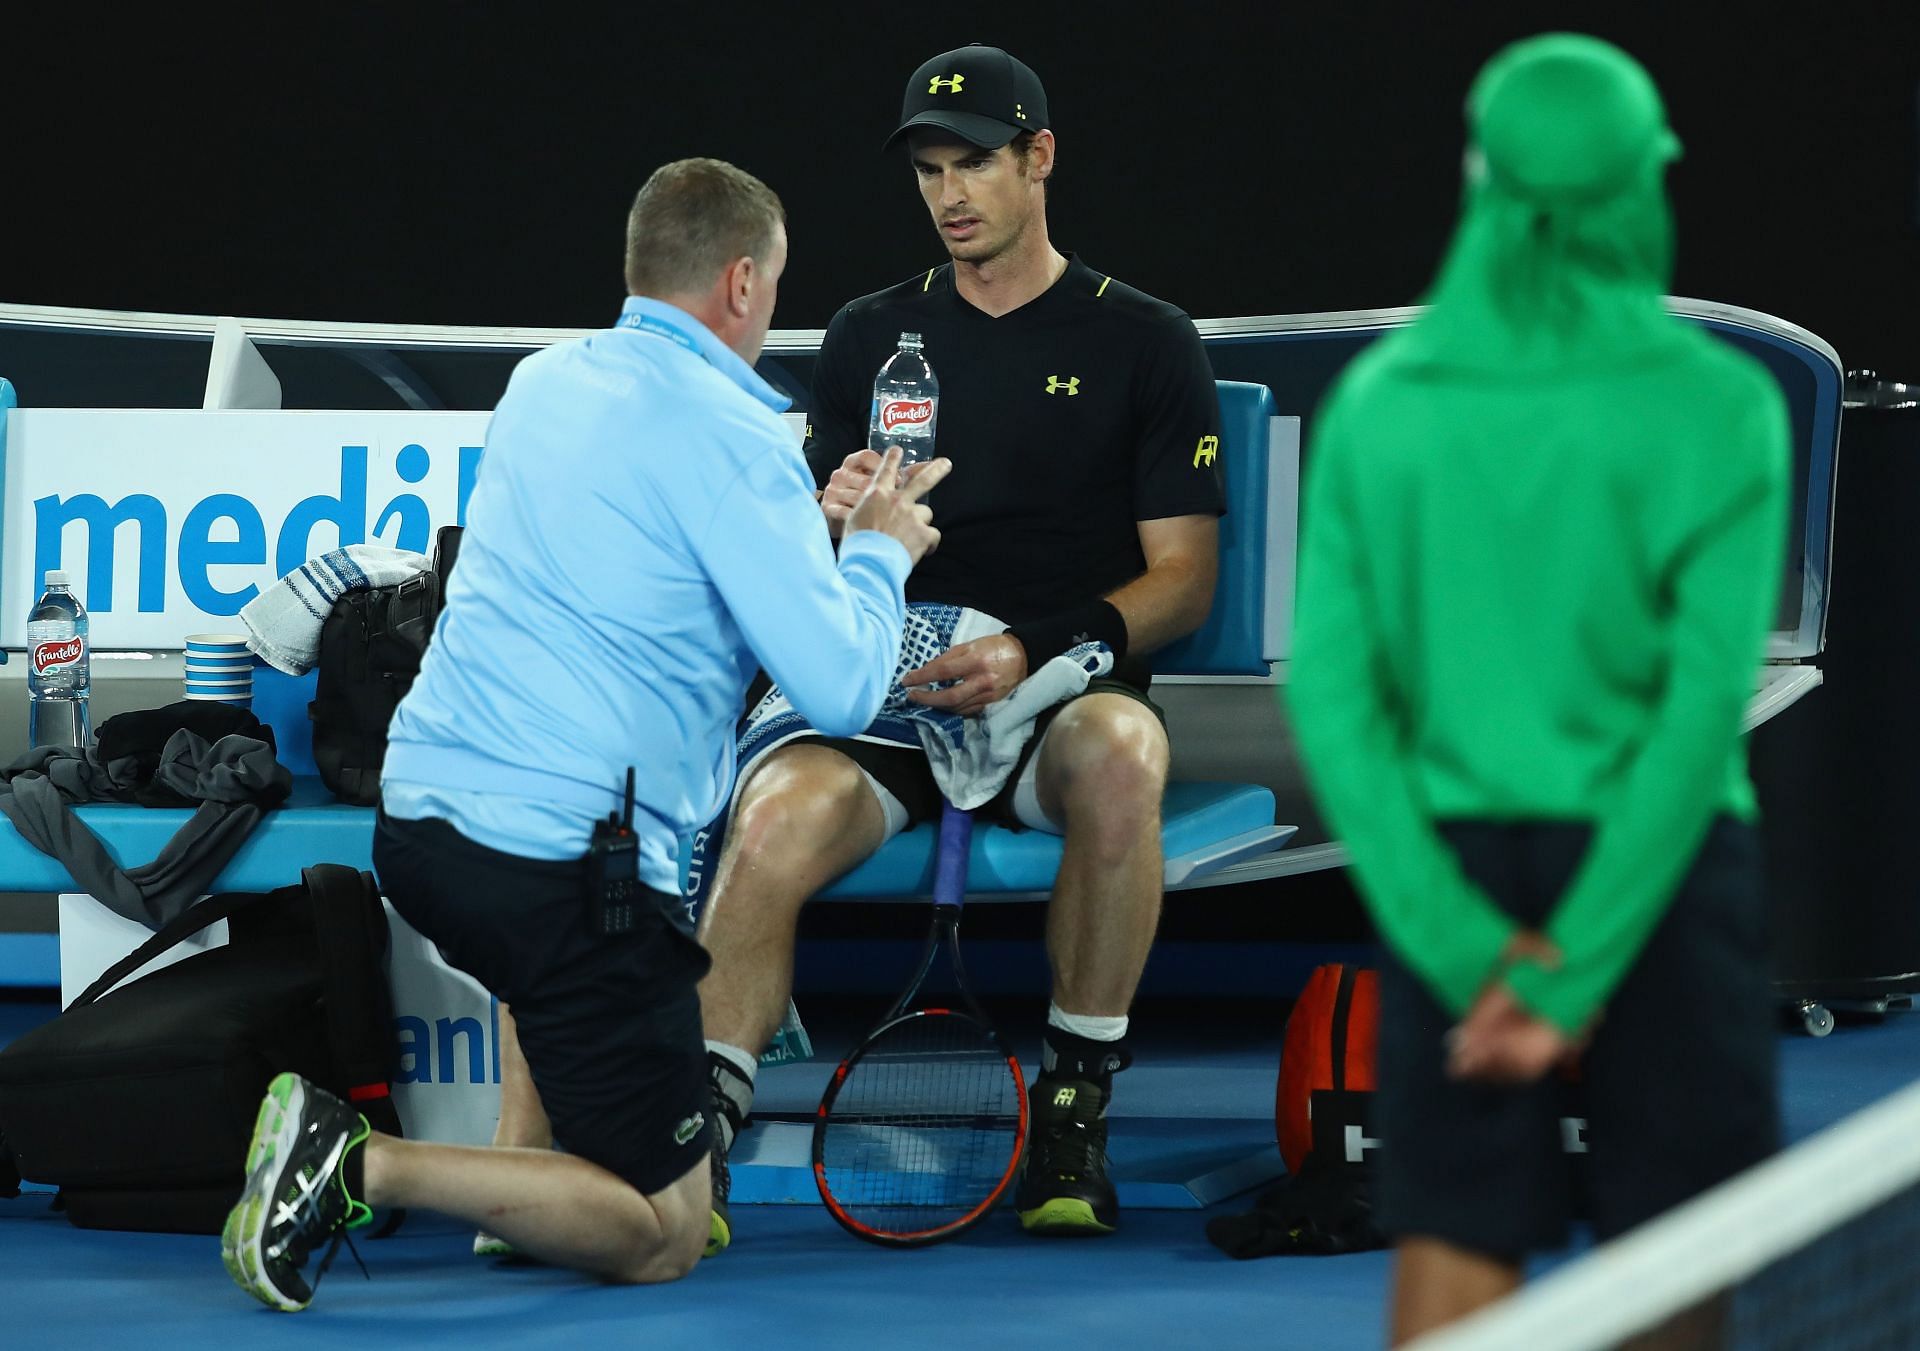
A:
<point x="694" y="219"/>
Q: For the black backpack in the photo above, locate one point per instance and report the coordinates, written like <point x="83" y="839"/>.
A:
<point x="138" y="1104"/>
<point x="370" y="649"/>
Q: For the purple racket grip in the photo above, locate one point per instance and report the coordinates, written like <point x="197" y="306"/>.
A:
<point x="950" y="859"/>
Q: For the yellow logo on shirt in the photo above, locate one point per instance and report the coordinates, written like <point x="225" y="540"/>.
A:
<point x="1071" y="385"/>
<point x="951" y="83"/>
<point x="1207" y="451"/>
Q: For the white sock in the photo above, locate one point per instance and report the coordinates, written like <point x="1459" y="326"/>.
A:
<point x="1082" y="1024"/>
<point x="743" y="1060"/>
<point x="732" y="1078"/>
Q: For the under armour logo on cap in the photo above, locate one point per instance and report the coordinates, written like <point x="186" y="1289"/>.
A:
<point x="975" y="95"/>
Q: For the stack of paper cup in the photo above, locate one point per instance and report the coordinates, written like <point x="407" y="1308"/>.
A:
<point x="220" y="668"/>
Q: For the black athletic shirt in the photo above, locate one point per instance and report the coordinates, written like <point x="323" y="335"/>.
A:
<point x="1089" y="408"/>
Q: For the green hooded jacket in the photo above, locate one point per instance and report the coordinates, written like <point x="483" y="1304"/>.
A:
<point x="1542" y="540"/>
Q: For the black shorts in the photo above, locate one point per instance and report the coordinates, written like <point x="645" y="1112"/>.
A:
<point x="610" y="1027"/>
<point x="904" y="771"/>
<point x="1678" y="1086"/>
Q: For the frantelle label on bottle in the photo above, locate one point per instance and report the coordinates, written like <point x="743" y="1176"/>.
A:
<point x="897" y="413"/>
<point x="51" y="656"/>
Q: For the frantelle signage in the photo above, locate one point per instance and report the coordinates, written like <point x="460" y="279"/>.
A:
<point x="169" y="521"/>
<point x="56" y="656"/>
<point x="898" y="413"/>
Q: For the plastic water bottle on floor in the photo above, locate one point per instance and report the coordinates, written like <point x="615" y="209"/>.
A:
<point x="58" y="655"/>
<point x="906" y="404"/>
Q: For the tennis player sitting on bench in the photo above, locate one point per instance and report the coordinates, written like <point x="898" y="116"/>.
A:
<point x="1082" y="417"/>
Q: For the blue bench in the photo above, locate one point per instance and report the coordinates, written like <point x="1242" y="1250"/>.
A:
<point x="1206" y="825"/>
<point x="1294" y="355"/>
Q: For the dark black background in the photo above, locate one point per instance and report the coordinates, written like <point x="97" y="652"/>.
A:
<point x="438" y="163"/>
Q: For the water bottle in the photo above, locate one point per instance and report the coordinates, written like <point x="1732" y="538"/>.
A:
<point x="906" y="403"/>
<point x="57" y="667"/>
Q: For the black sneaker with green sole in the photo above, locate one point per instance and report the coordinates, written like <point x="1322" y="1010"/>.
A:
<point x="720" y="1224"/>
<point x="1064" y="1190"/>
<point x="295" y="1198"/>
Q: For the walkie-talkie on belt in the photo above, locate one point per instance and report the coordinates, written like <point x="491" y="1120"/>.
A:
<point x="614" y="892"/>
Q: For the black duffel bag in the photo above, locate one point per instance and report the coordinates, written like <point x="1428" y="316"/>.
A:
<point x="138" y="1104"/>
<point x="371" y="645"/>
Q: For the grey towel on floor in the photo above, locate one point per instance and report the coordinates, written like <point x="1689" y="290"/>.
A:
<point x="235" y="779"/>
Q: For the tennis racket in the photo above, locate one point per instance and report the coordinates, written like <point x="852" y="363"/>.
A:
<point x="921" y="1128"/>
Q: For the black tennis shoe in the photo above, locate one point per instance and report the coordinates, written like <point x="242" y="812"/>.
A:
<point x="1064" y="1190"/>
<point x="720" y="1226"/>
<point x="726" y="1124"/>
<point x="296" y="1195"/>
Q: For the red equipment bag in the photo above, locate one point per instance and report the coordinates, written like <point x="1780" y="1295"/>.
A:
<point x="1326" y="1068"/>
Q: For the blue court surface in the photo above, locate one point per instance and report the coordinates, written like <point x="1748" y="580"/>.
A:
<point x="793" y="1279"/>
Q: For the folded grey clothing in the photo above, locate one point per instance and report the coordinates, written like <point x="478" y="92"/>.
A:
<point x="233" y="781"/>
<point x="143" y="733"/>
<point x="76" y="775"/>
<point x="189" y="770"/>
<point x="235" y="768"/>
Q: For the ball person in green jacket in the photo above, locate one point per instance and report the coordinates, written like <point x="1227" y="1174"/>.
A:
<point x="1542" y="547"/>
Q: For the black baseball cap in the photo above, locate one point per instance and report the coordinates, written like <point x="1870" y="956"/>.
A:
<point x="980" y="94"/>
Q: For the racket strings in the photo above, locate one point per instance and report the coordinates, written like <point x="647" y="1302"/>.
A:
<point x="925" y="1127"/>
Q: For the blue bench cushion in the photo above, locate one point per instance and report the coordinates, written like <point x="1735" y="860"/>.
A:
<point x="1195" y="815"/>
<point x="1234" y="639"/>
<point x="311" y="828"/>
<point x="280" y="701"/>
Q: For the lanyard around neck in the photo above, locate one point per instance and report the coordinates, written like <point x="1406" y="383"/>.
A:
<point x="660" y="328"/>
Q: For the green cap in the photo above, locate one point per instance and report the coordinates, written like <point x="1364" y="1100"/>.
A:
<point x="1565" y="241"/>
<point x="1565" y="118"/>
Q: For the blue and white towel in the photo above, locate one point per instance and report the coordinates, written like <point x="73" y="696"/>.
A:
<point x="971" y="757"/>
<point x="283" y="622"/>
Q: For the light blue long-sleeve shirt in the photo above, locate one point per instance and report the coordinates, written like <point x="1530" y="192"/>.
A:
<point x="642" y="536"/>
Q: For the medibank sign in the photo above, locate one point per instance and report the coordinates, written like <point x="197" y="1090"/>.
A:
<point x="170" y="521"/>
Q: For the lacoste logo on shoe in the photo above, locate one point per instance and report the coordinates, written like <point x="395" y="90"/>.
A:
<point x="689" y="1128"/>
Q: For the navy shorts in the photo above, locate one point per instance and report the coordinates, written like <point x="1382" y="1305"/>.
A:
<point x="1678" y="1087"/>
<point x="610" y="1026"/>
